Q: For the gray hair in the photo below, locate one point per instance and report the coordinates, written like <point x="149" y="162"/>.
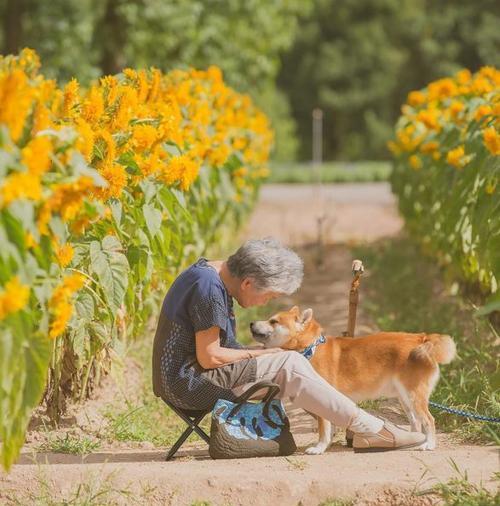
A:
<point x="272" y="266"/>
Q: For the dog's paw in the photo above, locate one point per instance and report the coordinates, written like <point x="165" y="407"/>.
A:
<point x="316" y="450"/>
<point x="427" y="446"/>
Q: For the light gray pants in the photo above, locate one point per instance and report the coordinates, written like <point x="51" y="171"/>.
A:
<point x="304" y="387"/>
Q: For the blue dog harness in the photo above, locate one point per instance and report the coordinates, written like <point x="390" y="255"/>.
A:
<point x="308" y="351"/>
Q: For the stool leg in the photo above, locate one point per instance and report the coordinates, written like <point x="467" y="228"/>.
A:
<point x="179" y="443"/>
<point x="202" y="434"/>
<point x="193" y="426"/>
<point x="199" y="430"/>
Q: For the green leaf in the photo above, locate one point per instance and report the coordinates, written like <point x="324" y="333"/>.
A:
<point x="116" y="210"/>
<point x="111" y="268"/>
<point x="179" y="196"/>
<point x="81" y="168"/>
<point x="153" y="218"/>
<point x="128" y="161"/>
<point x="489" y="307"/>
<point x="84" y="305"/>
<point x="24" y="359"/>
<point x="14" y="230"/>
<point x="149" y="189"/>
<point x="79" y="338"/>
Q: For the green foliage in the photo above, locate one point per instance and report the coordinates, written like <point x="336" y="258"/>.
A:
<point x="330" y="172"/>
<point x="62" y="33"/>
<point x="461" y="492"/>
<point x="24" y="359"/>
<point x="358" y="59"/>
<point x="197" y="33"/>
<point x="451" y="203"/>
<point x="111" y="268"/>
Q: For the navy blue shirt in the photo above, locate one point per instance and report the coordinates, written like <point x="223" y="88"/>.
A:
<point x="197" y="300"/>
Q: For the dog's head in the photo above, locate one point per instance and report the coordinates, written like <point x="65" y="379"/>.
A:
<point x="290" y="330"/>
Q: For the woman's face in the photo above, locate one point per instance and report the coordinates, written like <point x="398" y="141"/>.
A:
<point x="248" y="295"/>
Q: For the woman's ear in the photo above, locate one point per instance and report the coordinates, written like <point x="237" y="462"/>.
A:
<point x="306" y="316"/>
<point x="246" y="283"/>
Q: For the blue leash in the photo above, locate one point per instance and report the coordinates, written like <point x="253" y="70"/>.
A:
<point x="466" y="414"/>
<point x="308" y="352"/>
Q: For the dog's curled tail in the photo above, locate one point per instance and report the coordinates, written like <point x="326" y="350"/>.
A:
<point x="439" y="347"/>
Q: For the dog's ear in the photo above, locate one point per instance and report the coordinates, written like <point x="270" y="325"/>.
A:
<point x="295" y="310"/>
<point x="306" y="316"/>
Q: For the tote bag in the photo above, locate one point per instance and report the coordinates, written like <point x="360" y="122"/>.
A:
<point x="244" y="429"/>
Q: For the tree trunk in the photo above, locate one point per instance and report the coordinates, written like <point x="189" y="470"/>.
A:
<point x="111" y="37"/>
<point x="13" y="26"/>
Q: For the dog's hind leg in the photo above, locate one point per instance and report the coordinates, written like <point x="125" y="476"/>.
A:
<point x="325" y="437"/>
<point x="421" y="403"/>
<point x="407" y="404"/>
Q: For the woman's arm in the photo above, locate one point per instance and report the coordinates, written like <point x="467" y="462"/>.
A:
<point x="210" y="354"/>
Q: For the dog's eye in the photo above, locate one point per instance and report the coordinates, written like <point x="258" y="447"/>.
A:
<point x="273" y="322"/>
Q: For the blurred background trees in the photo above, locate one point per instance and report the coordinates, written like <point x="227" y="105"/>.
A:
<point x="356" y="59"/>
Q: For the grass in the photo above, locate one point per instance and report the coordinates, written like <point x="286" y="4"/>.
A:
<point x="459" y="491"/>
<point x="148" y="421"/>
<point x="95" y="489"/>
<point x="330" y="172"/>
<point x="405" y="291"/>
<point x="72" y="444"/>
<point x="337" y="502"/>
<point x="297" y="464"/>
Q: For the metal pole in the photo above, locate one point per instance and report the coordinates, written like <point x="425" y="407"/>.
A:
<point x="317" y="159"/>
<point x="317" y="138"/>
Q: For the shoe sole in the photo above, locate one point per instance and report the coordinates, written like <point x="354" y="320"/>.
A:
<point x="378" y="449"/>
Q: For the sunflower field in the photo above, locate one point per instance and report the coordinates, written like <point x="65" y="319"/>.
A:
<point x="105" y="193"/>
<point x="447" y="176"/>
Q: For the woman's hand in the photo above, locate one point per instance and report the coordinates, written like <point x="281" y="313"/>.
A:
<point x="264" y="351"/>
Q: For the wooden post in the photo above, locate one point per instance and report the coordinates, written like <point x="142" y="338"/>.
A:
<point x="357" y="271"/>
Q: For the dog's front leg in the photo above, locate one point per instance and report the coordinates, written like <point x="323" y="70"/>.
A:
<point x="325" y="437"/>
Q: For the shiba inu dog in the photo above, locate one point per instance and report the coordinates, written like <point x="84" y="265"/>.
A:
<point x="398" y="365"/>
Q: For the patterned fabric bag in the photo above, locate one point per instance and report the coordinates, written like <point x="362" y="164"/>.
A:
<point x="251" y="429"/>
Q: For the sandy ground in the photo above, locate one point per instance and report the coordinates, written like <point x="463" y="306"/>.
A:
<point x="139" y="474"/>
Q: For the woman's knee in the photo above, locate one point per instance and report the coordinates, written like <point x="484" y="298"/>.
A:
<point x="296" y="362"/>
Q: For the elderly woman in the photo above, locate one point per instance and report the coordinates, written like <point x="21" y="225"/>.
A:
<point x="197" y="360"/>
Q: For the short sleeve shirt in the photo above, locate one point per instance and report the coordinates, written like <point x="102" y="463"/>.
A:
<point x="197" y="300"/>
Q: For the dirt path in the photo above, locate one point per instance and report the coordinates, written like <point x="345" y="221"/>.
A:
<point x="352" y="212"/>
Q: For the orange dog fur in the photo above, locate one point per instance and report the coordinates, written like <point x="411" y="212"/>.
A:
<point x="385" y="364"/>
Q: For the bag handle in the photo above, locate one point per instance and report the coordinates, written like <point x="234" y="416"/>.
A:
<point x="272" y="392"/>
